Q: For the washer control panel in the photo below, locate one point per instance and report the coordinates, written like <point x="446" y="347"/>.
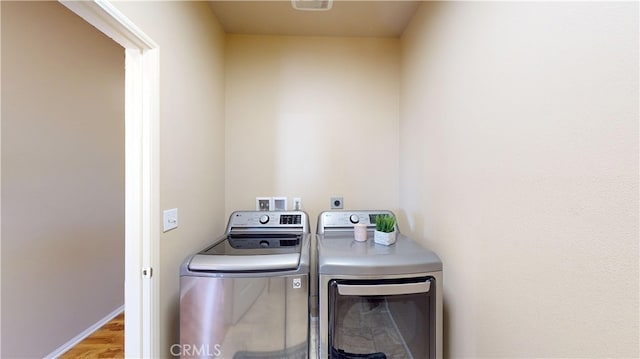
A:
<point x="345" y="220"/>
<point x="268" y="220"/>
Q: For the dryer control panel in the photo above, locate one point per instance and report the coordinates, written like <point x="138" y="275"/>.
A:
<point x="345" y="220"/>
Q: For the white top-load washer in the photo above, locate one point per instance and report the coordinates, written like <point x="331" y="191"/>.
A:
<point x="376" y="301"/>
<point x="247" y="294"/>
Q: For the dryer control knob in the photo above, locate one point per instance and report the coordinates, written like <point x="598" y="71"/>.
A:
<point x="264" y="219"/>
<point x="354" y="219"/>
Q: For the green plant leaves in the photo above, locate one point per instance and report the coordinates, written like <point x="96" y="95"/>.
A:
<point x="385" y="223"/>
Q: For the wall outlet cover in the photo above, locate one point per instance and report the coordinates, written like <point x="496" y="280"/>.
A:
<point x="264" y="203"/>
<point x="337" y="203"/>
<point x="279" y="203"/>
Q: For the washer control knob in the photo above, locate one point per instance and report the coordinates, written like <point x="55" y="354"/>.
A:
<point x="264" y="244"/>
<point x="264" y="219"/>
<point x="354" y="218"/>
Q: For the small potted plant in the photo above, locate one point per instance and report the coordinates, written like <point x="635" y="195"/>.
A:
<point x="385" y="230"/>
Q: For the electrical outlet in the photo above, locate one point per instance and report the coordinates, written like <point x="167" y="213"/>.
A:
<point x="337" y="203"/>
<point x="264" y="203"/>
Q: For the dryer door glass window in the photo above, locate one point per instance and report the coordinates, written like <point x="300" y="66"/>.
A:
<point x="382" y="319"/>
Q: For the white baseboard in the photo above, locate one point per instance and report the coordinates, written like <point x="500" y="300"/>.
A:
<point x="85" y="333"/>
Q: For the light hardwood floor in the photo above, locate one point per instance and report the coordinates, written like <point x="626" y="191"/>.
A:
<point x="106" y="342"/>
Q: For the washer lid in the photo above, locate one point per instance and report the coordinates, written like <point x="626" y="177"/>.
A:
<point x="250" y="252"/>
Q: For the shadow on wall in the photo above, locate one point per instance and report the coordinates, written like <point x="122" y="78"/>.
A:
<point x="414" y="228"/>
<point x="174" y="325"/>
<point x="419" y="202"/>
<point x="445" y="326"/>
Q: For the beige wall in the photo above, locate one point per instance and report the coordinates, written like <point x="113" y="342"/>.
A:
<point x="514" y="124"/>
<point x="519" y="167"/>
<point x="191" y="136"/>
<point x="62" y="177"/>
<point x="312" y="117"/>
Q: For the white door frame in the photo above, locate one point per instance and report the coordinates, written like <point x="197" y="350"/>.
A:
<point x="142" y="232"/>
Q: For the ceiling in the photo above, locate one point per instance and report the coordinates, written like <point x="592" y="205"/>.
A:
<point x="346" y="18"/>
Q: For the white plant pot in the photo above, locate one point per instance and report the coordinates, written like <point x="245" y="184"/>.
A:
<point x="384" y="238"/>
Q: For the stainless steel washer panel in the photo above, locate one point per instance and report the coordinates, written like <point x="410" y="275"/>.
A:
<point x="249" y="299"/>
<point x="263" y="221"/>
<point x="264" y="317"/>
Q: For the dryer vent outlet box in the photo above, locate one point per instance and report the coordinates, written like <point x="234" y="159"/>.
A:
<point x="279" y="203"/>
<point x="337" y="203"/>
<point x="312" y="5"/>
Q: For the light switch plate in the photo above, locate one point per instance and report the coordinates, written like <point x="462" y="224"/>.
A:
<point x="169" y="219"/>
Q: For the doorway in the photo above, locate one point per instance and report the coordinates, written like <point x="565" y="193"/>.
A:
<point x="141" y="178"/>
<point x="141" y="168"/>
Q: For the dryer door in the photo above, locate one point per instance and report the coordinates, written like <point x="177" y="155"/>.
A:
<point x="379" y="319"/>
